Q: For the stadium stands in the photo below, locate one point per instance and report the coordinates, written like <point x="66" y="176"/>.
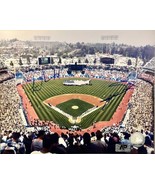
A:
<point x="4" y="75"/>
<point x="16" y="138"/>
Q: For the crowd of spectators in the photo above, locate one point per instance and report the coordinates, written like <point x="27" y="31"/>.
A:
<point x="147" y="77"/>
<point x="89" y="73"/>
<point x="45" y="74"/>
<point x="141" y="106"/>
<point x="106" y="74"/>
<point x="10" y="118"/>
<point x="99" y="142"/>
<point x="4" y="76"/>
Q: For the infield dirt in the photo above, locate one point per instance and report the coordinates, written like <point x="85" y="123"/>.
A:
<point x="84" y="97"/>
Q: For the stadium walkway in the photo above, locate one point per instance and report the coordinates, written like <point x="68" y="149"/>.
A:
<point x="31" y="114"/>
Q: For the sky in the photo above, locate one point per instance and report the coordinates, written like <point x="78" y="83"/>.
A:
<point x="130" y="37"/>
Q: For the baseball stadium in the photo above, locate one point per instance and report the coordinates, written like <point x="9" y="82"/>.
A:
<point x="75" y="105"/>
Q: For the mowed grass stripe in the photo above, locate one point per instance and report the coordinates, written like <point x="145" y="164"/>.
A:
<point x="72" y="90"/>
<point x="104" y="88"/>
<point x="89" y="119"/>
<point x="101" y="114"/>
<point x="38" y="105"/>
<point x="33" y="101"/>
<point x="45" y="115"/>
<point x="107" y="110"/>
<point x="114" y="107"/>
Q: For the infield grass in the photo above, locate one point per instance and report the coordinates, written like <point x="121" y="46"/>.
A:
<point x="67" y="107"/>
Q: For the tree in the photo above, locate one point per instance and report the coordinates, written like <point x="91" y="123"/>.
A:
<point x="86" y="61"/>
<point x="78" y="45"/>
<point x="104" y="50"/>
<point x="95" y="61"/>
<point x="11" y="64"/>
<point x="136" y="62"/>
<point x="113" y="51"/>
<point x="70" y="56"/>
<point x="91" y="50"/>
<point x="52" y="61"/>
<point x="28" y="60"/>
<point x="129" y="62"/>
<point x="59" y="62"/>
<point x="14" y="40"/>
<point x="64" y="55"/>
<point x="20" y="62"/>
<point x="59" y="53"/>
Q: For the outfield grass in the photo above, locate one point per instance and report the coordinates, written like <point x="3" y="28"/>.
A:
<point x="67" y="107"/>
<point x="100" y="88"/>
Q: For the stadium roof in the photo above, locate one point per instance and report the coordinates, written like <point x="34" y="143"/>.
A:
<point x="150" y="64"/>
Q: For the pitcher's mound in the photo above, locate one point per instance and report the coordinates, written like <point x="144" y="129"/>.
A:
<point x="75" y="107"/>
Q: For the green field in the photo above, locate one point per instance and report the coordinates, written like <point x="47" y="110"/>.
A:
<point x="100" y="88"/>
<point x="67" y="107"/>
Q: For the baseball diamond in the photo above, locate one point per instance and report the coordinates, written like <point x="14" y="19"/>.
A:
<point x="104" y="96"/>
<point x="66" y="104"/>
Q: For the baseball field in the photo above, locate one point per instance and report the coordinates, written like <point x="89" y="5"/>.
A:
<point x="92" y="103"/>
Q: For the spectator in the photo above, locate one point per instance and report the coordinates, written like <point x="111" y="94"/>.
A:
<point x="15" y="144"/>
<point x="72" y="148"/>
<point x="148" y="145"/>
<point x="28" y="142"/>
<point x="62" y="140"/>
<point x="93" y="136"/>
<point x="113" y="140"/>
<point x="88" y="147"/>
<point x="47" y="142"/>
<point x="126" y="141"/>
<point x="101" y="145"/>
<point x="37" y="144"/>
<point x="57" y="148"/>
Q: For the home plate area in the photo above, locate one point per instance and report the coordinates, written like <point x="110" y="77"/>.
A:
<point x="74" y="106"/>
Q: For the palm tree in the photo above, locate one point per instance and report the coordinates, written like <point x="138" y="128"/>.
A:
<point x="59" y="62"/>
<point x="129" y="62"/>
<point x="20" y="62"/>
<point x="95" y="61"/>
<point x="28" y="60"/>
<point x="86" y="61"/>
<point x="11" y="63"/>
<point x="52" y="61"/>
<point x="79" y="61"/>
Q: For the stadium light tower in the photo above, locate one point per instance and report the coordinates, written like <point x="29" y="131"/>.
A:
<point x="109" y="38"/>
<point x="42" y="40"/>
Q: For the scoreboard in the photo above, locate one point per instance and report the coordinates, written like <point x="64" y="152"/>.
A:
<point x="44" y="60"/>
<point x="107" y="60"/>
